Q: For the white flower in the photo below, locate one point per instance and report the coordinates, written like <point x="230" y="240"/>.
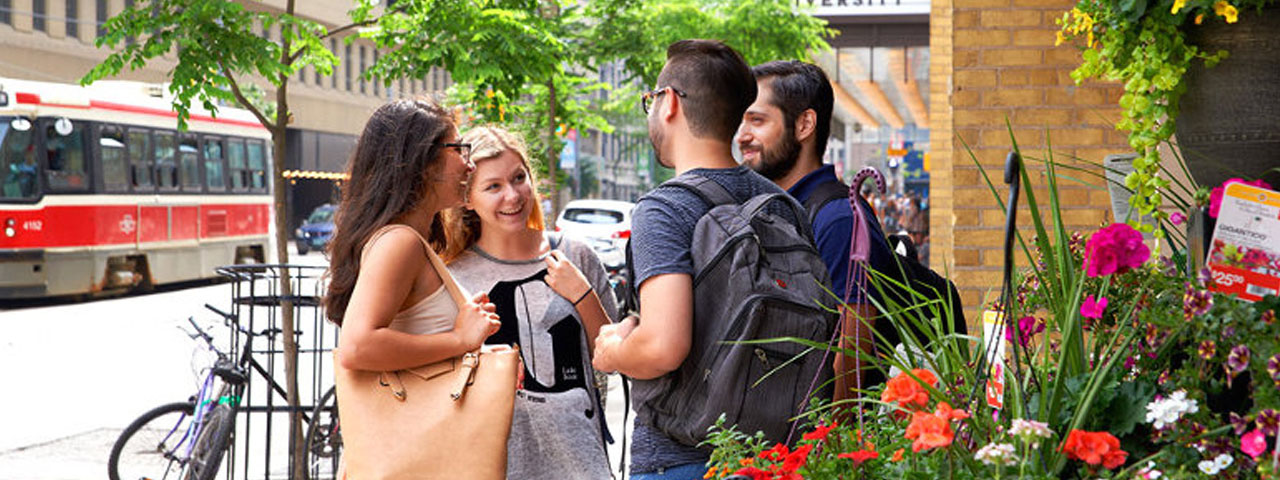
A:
<point x="1223" y="461"/>
<point x="1208" y="467"/>
<point x="1167" y="411"/>
<point x="1149" y="472"/>
<point x="996" y="453"/>
<point x="1030" y="431"/>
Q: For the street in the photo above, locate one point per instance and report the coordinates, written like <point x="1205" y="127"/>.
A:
<point x="74" y="375"/>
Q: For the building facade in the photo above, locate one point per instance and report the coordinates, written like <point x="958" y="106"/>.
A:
<point x="53" y="41"/>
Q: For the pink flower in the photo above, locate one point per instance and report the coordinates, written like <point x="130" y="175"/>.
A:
<point x="1215" y="197"/>
<point x="1116" y="248"/>
<point x="1177" y="218"/>
<point x="1028" y="327"/>
<point x="1254" y="443"/>
<point x="1093" y="309"/>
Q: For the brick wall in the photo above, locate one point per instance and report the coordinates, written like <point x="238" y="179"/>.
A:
<point x="992" y="61"/>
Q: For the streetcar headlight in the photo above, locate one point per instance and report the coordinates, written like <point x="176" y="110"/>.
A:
<point x="8" y="227"/>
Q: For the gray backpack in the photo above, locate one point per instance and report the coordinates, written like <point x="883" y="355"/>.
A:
<point x="757" y="276"/>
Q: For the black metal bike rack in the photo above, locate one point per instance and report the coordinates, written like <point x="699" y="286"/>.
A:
<point x="257" y="303"/>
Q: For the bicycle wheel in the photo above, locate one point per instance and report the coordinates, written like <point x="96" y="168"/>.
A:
<point x="215" y="437"/>
<point x="324" y="438"/>
<point x="145" y="448"/>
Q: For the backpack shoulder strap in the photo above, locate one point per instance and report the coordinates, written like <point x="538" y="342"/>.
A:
<point x="825" y="193"/>
<point x="705" y="188"/>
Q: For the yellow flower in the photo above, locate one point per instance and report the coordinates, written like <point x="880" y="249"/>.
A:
<point x="1060" y="39"/>
<point x="1225" y="10"/>
<point x="1177" y="5"/>
<point x="1090" y="42"/>
<point x="1199" y="18"/>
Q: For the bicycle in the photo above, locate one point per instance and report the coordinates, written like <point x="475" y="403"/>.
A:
<point x="324" y="437"/>
<point x="187" y="440"/>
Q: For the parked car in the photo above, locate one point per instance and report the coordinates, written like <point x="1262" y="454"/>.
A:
<point x="605" y="225"/>
<point x="316" y="230"/>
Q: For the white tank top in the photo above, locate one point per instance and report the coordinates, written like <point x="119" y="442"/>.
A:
<point x="433" y="314"/>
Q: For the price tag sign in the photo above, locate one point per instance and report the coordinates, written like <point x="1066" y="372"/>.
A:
<point x="994" y="344"/>
<point x="1245" y="257"/>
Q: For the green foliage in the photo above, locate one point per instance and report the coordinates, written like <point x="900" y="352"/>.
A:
<point x="506" y="54"/>
<point x="214" y="41"/>
<point x="1142" y="44"/>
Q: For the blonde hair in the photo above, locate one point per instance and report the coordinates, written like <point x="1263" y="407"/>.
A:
<point x="462" y="225"/>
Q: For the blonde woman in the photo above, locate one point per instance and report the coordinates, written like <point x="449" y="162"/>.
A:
<point x="552" y="296"/>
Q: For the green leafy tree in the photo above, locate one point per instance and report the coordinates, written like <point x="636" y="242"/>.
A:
<point x="531" y="63"/>
<point x="222" y="59"/>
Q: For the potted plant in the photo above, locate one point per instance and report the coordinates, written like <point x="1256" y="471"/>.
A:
<point x="1159" y="50"/>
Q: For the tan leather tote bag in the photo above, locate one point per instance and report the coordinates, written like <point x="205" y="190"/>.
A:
<point x="446" y="420"/>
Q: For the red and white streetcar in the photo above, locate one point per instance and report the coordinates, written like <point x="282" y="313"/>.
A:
<point x="99" y="191"/>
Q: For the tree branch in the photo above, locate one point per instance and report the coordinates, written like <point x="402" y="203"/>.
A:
<point x="244" y="101"/>
<point x="398" y="9"/>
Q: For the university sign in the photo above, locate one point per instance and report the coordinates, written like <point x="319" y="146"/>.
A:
<point x="845" y="8"/>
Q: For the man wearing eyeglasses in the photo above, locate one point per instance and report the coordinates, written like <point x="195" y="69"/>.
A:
<point x="701" y="94"/>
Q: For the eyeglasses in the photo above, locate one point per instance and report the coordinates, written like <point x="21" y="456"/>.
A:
<point x="647" y="98"/>
<point x="464" y="149"/>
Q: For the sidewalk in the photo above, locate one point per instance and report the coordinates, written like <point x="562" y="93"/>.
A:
<point x="84" y="455"/>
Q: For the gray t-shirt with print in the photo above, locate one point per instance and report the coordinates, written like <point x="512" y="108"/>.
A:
<point x="556" y="432"/>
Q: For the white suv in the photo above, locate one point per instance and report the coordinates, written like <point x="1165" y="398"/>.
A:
<point x="605" y="225"/>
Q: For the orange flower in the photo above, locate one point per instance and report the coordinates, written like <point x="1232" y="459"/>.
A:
<point x="945" y="411"/>
<point x="1095" y="448"/>
<point x="897" y="456"/>
<point x="908" y="392"/>
<point x="929" y="431"/>
<point x="747" y="462"/>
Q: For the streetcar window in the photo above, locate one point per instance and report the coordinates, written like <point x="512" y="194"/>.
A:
<point x="115" y="169"/>
<point x="64" y="153"/>
<point x="139" y="165"/>
<point x="214" y="164"/>
<point x="188" y="158"/>
<point x="236" y="165"/>
<point x="17" y="159"/>
<point x="166" y="167"/>
<point x="258" y="166"/>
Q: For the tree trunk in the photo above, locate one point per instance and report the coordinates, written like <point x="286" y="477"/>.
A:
<point x="552" y="159"/>
<point x="278" y="136"/>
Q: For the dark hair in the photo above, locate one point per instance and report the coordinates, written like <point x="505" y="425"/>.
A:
<point x="389" y="176"/>
<point x="717" y="83"/>
<point x="796" y="87"/>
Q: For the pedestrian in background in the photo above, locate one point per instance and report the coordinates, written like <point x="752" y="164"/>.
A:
<point x="552" y="296"/>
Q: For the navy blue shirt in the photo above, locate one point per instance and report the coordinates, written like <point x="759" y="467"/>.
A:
<point x="832" y="232"/>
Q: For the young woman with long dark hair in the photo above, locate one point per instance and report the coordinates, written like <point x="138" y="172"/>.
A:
<point x="395" y="313"/>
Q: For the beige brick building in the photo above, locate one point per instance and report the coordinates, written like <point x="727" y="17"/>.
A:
<point x="53" y="41"/>
<point x="995" y="61"/>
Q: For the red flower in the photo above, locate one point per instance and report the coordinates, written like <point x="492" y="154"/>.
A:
<point x="778" y="452"/>
<point x="1114" y="249"/>
<point x="1095" y="448"/>
<point x="819" y="432"/>
<point x="796" y="459"/>
<point x="859" y="456"/>
<point x="754" y="473"/>
<point x="908" y="392"/>
<point x="929" y="431"/>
